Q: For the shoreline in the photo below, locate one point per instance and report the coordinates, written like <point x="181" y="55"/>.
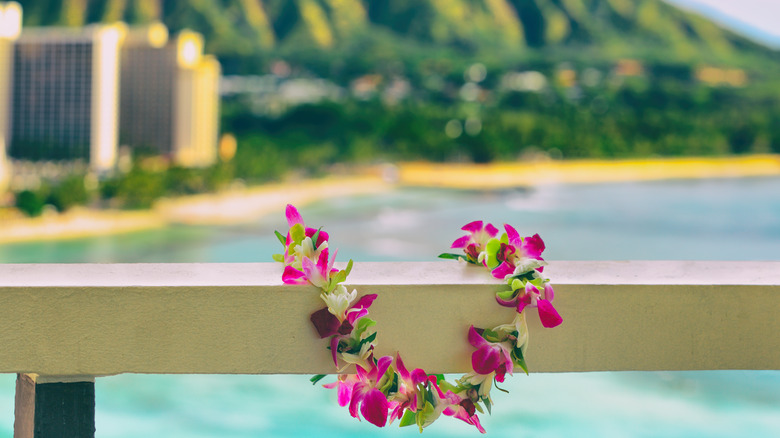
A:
<point x="228" y="207"/>
<point x="247" y="204"/>
<point x="496" y="176"/>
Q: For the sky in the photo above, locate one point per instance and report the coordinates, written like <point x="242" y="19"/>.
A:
<point x="757" y="19"/>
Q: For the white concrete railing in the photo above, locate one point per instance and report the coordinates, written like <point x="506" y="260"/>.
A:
<point x="93" y="320"/>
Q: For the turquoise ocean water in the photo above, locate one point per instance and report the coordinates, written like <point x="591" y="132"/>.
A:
<point x="678" y="220"/>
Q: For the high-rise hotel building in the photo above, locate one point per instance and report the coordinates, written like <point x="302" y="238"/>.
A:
<point x="10" y="28"/>
<point x="80" y="93"/>
<point x="169" y="95"/>
<point x="65" y="102"/>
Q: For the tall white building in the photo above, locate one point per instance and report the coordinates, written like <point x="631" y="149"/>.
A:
<point x="169" y="95"/>
<point x="65" y="101"/>
<point x="10" y="28"/>
<point x="79" y="93"/>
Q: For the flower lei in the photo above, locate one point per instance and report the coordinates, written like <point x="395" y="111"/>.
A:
<point x="383" y="390"/>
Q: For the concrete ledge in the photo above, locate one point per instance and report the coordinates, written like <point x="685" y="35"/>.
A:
<point x="87" y="320"/>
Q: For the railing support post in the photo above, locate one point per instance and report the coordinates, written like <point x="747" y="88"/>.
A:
<point x="54" y="407"/>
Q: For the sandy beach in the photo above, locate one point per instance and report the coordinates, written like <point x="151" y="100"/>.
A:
<point x="244" y="205"/>
<point x="223" y="208"/>
<point x="509" y="175"/>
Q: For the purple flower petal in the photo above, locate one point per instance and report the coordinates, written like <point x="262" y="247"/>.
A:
<point x="311" y="272"/>
<point x="512" y="234"/>
<point x="381" y="366"/>
<point x="461" y="242"/>
<point x="473" y="251"/>
<point x="293" y="276"/>
<point x="491" y="230"/>
<point x="325" y="323"/>
<point x="374" y="408"/>
<point x="323" y="237"/>
<point x="361" y="373"/>
<point x="506" y="303"/>
<point x="363" y="303"/>
<point x="419" y="376"/>
<point x="355" y="314"/>
<point x="548" y="292"/>
<point x="402" y="371"/>
<point x="547" y="313"/>
<point x="345" y="328"/>
<point x="475" y="339"/>
<point x="473" y="227"/>
<point x="358" y="393"/>
<point x="344" y="394"/>
<point x="334" y="350"/>
<point x="504" y="269"/>
<point x="293" y="217"/>
<point x="486" y="359"/>
<point x="533" y="246"/>
<point x="522" y="302"/>
<point x="329" y="265"/>
<point x="468" y="405"/>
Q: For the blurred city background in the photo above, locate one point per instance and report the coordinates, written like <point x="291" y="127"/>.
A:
<point x="175" y="131"/>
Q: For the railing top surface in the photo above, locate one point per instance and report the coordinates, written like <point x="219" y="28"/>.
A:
<point x="635" y="272"/>
<point x="98" y="319"/>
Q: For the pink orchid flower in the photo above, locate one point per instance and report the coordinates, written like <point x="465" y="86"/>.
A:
<point x="474" y="242"/>
<point x="506" y="257"/>
<point x="531" y="247"/>
<point x="345" y="384"/>
<point x="406" y="397"/>
<point x="319" y="274"/>
<point x="366" y="396"/>
<point x="294" y="218"/>
<point x="456" y="406"/>
<point x="511" y="255"/>
<point x="531" y="296"/>
<point x="293" y="276"/>
<point x="328" y="324"/>
<point x="490" y="356"/>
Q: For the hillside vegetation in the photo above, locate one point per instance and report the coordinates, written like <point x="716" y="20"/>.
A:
<point x="505" y="29"/>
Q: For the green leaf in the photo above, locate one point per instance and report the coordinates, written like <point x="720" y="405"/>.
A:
<point x="423" y="415"/>
<point x="518" y="359"/>
<point x="528" y="276"/>
<point x="507" y="295"/>
<point x="370" y="338"/>
<point x="281" y="238"/>
<point x="439" y="378"/>
<point x="491" y="250"/>
<point x="363" y="324"/>
<point x="297" y="234"/>
<point x="451" y="256"/>
<point x="479" y="408"/>
<point x="317" y="378"/>
<point x="491" y="336"/>
<point x="349" y="268"/>
<point x="340" y="277"/>
<point x="278" y="258"/>
<point x="316" y="237"/>
<point x="390" y="378"/>
<point x="486" y="401"/>
<point x="408" y="419"/>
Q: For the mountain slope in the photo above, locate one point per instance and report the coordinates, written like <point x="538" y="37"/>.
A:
<point x="604" y="28"/>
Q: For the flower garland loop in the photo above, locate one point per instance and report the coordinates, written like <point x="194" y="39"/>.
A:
<point x="383" y="389"/>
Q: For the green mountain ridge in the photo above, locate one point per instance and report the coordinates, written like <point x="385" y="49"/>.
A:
<point x="599" y="29"/>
